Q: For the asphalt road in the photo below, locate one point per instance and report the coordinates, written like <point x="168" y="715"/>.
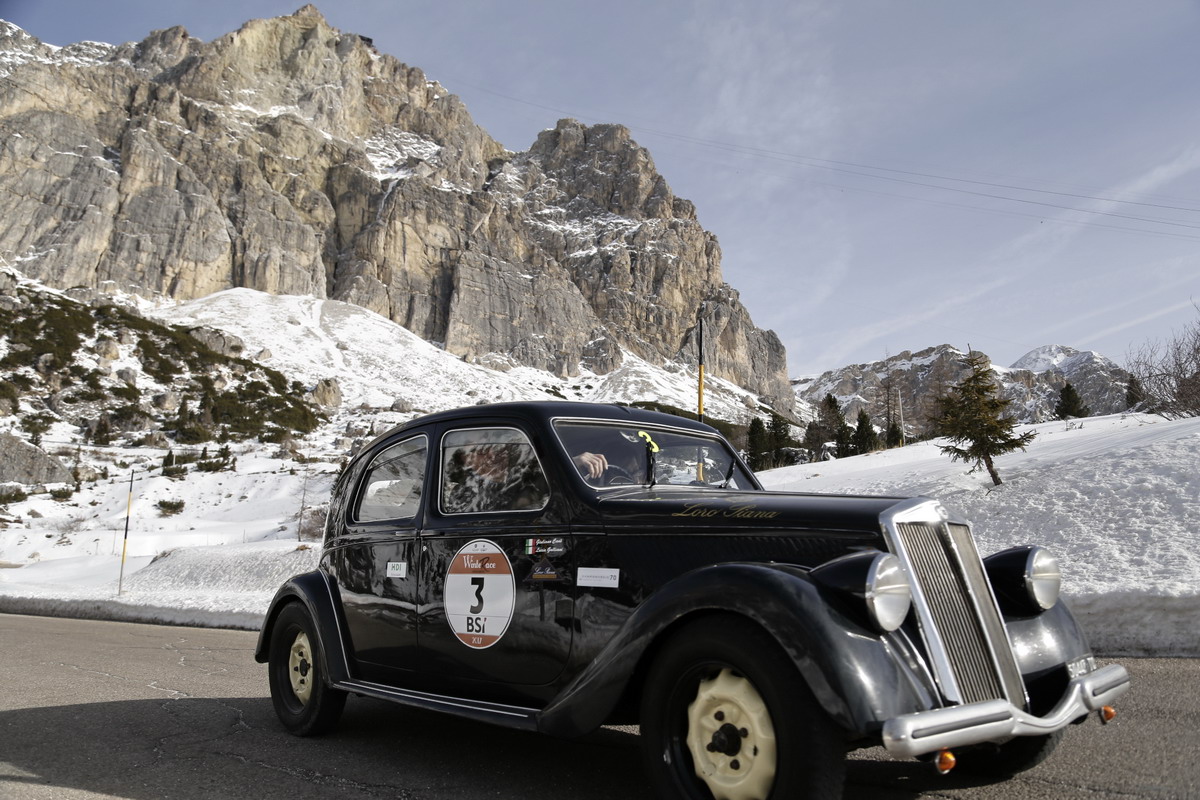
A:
<point x="115" y="710"/>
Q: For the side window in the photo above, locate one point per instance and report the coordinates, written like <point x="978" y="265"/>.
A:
<point x="490" y="470"/>
<point x="393" y="483"/>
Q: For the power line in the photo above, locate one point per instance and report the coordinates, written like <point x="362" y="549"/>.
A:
<point x="842" y="167"/>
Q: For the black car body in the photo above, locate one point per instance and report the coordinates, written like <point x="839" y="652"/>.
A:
<point x="484" y="563"/>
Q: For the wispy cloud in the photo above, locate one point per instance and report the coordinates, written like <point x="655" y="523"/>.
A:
<point x="1157" y="314"/>
<point x="887" y="328"/>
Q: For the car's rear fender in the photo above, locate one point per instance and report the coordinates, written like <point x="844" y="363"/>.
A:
<point x="317" y="593"/>
<point x="859" y="677"/>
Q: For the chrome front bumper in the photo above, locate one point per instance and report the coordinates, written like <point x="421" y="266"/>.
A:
<point x="998" y="720"/>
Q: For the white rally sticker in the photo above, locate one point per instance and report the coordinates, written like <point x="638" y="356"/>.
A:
<point x="480" y="594"/>
<point x="397" y="569"/>
<point x="598" y="576"/>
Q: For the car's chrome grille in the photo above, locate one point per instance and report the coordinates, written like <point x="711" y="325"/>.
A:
<point x="958" y="616"/>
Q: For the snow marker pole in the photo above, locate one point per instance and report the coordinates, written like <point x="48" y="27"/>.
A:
<point x="125" y="543"/>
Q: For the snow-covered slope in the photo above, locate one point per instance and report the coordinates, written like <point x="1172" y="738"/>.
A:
<point x="1116" y="498"/>
<point x="377" y="362"/>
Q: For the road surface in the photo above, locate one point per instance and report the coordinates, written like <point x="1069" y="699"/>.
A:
<point x="116" y="710"/>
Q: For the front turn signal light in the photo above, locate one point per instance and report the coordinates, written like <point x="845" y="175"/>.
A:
<point x="944" y="762"/>
<point x="1107" y="714"/>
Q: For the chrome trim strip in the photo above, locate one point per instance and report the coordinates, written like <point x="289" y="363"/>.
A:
<point x="443" y="702"/>
<point x="919" y="510"/>
<point x="1000" y="647"/>
<point x="997" y="720"/>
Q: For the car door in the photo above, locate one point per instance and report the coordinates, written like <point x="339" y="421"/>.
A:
<point x="496" y="569"/>
<point x="377" y="558"/>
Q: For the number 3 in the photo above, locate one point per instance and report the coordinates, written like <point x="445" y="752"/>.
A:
<point x="478" y="584"/>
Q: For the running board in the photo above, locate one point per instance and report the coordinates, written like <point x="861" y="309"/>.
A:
<point x="495" y="713"/>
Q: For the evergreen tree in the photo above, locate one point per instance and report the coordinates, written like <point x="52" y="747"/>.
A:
<point x="102" y="433"/>
<point x="972" y="414"/>
<point x="1134" y="394"/>
<point x="814" y="440"/>
<point x="830" y="426"/>
<point x="779" y="436"/>
<point x="1070" y="404"/>
<point x="894" y="436"/>
<point x="865" y="439"/>
<point x="757" y="444"/>
<point x="844" y="437"/>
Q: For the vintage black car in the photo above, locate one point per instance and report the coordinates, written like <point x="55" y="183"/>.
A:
<point x="561" y="566"/>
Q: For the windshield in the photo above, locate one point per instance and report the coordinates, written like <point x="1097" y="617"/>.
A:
<point x="617" y="454"/>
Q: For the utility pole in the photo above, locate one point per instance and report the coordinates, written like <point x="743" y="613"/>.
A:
<point x="700" y="395"/>
<point x="125" y="543"/>
<point x="303" y="498"/>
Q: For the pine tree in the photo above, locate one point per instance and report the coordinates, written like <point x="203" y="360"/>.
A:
<point x="779" y="436"/>
<point x="1070" y="404"/>
<point x="894" y="436"/>
<point x="1134" y="394"/>
<point x="865" y="438"/>
<point x="972" y="414"/>
<point x="844" y="437"/>
<point x="757" y="444"/>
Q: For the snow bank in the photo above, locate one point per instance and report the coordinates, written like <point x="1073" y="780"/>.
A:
<point x="1117" y="499"/>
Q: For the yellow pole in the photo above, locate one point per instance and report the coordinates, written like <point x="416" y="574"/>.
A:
<point x="125" y="543"/>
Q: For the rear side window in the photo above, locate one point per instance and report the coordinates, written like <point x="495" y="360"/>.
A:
<point x="393" y="484"/>
<point x="491" y="470"/>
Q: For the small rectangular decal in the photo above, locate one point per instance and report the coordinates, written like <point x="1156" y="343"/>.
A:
<point x="397" y="569"/>
<point x="598" y="576"/>
<point x="546" y="546"/>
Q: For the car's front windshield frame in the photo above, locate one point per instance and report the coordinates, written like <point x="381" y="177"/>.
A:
<point x="643" y="444"/>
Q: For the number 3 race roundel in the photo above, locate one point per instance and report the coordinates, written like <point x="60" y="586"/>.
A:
<point x="480" y="594"/>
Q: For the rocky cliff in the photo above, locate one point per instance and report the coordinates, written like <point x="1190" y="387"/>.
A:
<point x="914" y="380"/>
<point x="291" y="158"/>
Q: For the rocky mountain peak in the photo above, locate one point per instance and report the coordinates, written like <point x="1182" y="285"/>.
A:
<point x="292" y="158"/>
<point x="909" y="383"/>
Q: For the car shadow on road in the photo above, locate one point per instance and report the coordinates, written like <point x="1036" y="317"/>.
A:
<point x="234" y="747"/>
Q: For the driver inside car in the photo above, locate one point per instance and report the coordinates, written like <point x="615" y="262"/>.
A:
<point x="605" y="462"/>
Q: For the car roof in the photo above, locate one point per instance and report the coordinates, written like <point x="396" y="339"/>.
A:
<point x="543" y="411"/>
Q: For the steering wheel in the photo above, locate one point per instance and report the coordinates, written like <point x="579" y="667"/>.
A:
<point x="617" y="476"/>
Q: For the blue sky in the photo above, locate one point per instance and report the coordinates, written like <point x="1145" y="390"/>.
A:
<point x="882" y="176"/>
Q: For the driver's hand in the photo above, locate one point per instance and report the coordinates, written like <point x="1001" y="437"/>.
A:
<point x="594" y="464"/>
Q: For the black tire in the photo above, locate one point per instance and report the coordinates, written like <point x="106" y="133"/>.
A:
<point x="720" y="665"/>
<point x="1005" y="760"/>
<point x="303" y="701"/>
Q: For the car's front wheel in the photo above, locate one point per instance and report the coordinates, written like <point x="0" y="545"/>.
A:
<point x="727" y="716"/>
<point x="304" y="703"/>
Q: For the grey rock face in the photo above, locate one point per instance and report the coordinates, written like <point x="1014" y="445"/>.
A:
<point x="291" y="158"/>
<point x="1031" y="385"/>
<point x="21" y="462"/>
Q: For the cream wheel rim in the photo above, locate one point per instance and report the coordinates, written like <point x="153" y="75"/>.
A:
<point x="731" y="738"/>
<point x="300" y="668"/>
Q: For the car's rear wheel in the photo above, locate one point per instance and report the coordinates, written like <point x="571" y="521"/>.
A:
<point x="303" y="701"/>
<point x="727" y="716"/>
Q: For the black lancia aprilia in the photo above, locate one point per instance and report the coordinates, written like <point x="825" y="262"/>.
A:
<point x="561" y="566"/>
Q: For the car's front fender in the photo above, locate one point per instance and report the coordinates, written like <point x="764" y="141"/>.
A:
<point x="318" y="594"/>
<point x="859" y="677"/>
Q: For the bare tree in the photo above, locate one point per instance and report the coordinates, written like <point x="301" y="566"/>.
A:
<point x="1169" y="373"/>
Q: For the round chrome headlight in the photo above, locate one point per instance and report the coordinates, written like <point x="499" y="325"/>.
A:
<point x="888" y="593"/>
<point x="1043" y="579"/>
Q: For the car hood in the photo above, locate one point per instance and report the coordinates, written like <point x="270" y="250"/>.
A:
<point x="713" y="510"/>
